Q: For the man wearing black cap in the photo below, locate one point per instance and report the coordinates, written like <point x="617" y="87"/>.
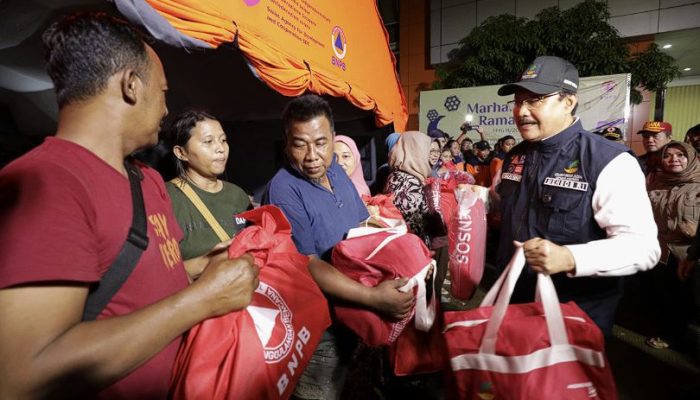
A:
<point x="612" y="133"/>
<point x="577" y="201"/>
<point x="479" y="165"/>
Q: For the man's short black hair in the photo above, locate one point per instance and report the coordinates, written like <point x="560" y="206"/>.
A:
<point x="305" y="108"/>
<point x="694" y="130"/>
<point x="84" y="50"/>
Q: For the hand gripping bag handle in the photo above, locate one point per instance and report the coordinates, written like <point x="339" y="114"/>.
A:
<point x="503" y="289"/>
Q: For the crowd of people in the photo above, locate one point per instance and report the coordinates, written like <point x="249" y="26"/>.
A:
<point x="585" y="210"/>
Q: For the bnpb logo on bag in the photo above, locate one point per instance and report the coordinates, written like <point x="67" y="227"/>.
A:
<point x="273" y="324"/>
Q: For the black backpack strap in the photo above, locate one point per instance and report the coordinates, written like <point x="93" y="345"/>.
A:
<point x="136" y="243"/>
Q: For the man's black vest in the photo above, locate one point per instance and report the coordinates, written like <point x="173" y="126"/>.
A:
<point x="546" y="191"/>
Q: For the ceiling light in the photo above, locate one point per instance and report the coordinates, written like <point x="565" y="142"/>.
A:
<point x="667" y="46"/>
<point x="687" y="69"/>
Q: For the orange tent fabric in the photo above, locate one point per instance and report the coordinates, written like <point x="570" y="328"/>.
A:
<point x="338" y="48"/>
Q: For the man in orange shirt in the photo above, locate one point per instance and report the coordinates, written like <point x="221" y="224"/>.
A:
<point x="479" y="165"/>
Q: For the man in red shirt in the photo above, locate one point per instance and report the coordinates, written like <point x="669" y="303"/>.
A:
<point x="65" y="212"/>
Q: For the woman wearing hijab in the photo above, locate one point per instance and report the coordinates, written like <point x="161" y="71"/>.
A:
<point x="348" y="157"/>
<point x="410" y="167"/>
<point x="384" y="170"/>
<point x="675" y="200"/>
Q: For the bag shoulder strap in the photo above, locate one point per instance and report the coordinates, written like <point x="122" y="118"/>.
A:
<point x="201" y="207"/>
<point x="135" y="244"/>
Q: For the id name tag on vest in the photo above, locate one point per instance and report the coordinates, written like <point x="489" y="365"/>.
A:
<point x="566" y="184"/>
<point x="511" y="177"/>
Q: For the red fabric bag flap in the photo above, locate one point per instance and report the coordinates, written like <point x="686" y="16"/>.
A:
<point x="382" y="255"/>
<point x="521" y="351"/>
<point x="385" y="205"/>
<point x="259" y="352"/>
<point x="382" y="211"/>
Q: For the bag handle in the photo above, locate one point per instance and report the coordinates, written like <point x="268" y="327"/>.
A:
<point x="424" y="316"/>
<point x="504" y="288"/>
<point x="194" y="198"/>
<point x="397" y="231"/>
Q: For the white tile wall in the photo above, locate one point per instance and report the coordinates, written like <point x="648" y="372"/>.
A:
<point x="677" y="18"/>
<point x="435" y="55"/>
<point x="636" y="24"/>
<point x="457" y="22"/>
<point x="566" y="4"/>
<point x="450" y="3"/>
<point x="674" y="3"/>
<point x="435" y="24"/>
<point x="488" y="8"/>
<point x="528" y="9"/>
<point x="626" y="7"/>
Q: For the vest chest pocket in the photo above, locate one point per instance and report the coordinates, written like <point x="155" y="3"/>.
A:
<point x="565" y="213"/>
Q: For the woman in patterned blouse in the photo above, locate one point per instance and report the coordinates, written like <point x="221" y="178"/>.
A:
<point x="409" y="168"/>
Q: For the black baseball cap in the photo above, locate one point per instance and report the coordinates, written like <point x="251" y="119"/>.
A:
<point x="612" y="133"/>
<point x="547" y="74"/>
<point x="482" y="145"/>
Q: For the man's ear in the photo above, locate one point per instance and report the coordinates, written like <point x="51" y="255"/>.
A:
<point x="130" y="83"/>
<point x="180" y="153"/>
<point x="571" y="101"/>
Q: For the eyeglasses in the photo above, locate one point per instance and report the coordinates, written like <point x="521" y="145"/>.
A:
<point x="435" y="152"/>
<point x="531" y="102"/>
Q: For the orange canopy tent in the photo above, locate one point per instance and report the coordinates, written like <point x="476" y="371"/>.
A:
<point x="336" y="48"/>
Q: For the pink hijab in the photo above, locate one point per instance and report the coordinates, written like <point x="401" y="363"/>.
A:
<point x="357" y="177"/>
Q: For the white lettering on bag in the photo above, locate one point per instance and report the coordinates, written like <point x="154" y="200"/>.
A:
<point x="303" y="337"/>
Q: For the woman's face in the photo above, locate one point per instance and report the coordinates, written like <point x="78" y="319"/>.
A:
<point x="507" y="144"/>
<point x="674" y="160"/>
<point x="345" y="157"/>
<point x="466" y="146"/>
<point x="206" y="152"/>
<point x="434" y="155"/>
<point x="454" y="148"/>
<point x="446" y="156"/>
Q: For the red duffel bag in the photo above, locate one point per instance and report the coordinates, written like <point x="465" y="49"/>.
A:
<point x="526" y="351"/>
<point x="259" y="352"/>
<point x="371" y="256"/>
<point x="467" y="244"/>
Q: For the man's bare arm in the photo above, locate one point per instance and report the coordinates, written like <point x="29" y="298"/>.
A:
<point x="46" y="351"/>
<point x="384" y="297"/>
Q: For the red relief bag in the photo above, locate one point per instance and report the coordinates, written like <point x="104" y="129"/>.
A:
<point x="419" y="352"/>
<point x="371" y="256"/>
<point x="259" y="352"/>
<point x="526" y="351"/>
<point x="382" y="211"/>
<point x="440" y="199"/>
<point x="467" y="244"/>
